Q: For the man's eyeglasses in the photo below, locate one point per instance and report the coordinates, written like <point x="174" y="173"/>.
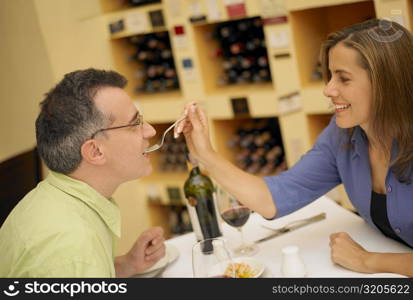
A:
<point x="138" y="122"/>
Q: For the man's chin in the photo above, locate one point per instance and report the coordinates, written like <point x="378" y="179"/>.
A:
<point x="141" y="173"/>
<point x="148" y="171"/>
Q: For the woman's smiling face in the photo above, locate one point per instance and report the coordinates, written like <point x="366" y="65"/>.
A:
<point x="349" y="88"/>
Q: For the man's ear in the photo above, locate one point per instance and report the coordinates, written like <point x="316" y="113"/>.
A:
<point x="93" y="153"/>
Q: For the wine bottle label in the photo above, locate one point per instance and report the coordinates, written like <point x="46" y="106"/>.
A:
<point x="194" y="222"/>
<point x="192" y="201"/>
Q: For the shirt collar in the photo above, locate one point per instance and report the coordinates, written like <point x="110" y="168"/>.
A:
<point x="107" y="209"/>
<point x="358" y="140"/>
<point x="360" y="143"/>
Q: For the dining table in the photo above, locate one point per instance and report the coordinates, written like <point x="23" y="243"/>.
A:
<point x="312" y="241"/>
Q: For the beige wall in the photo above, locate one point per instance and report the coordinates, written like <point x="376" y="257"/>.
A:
<point x="25" y="75"/>
<point x="75" y="35"/>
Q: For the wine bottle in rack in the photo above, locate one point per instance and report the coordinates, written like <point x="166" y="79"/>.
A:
<point x="317" y="73"/>
<point x="153" y="52"/>
<point x="172" y="155"/>
<point x="259" y="147"/>
<point x="243" y="52"/>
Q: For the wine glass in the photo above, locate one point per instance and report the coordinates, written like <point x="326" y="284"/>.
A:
<point x="236" y="215"/>
<point x="211" y="258"/>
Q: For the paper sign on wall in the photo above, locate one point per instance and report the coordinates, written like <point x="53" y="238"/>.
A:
<point x="289" y="103"/>
<point x="188" y="69"/>
<point x="235" y="8"/>
<point x="174" y="7"/>
<point x="240" y="106"/>
<point x="397" y="16"/>
<point x="157" y="19"/>
<point x="195" y="8"/>
<point x="116" y="26"/>
<point x="181" y="41"/>
<point x="273" y="8"/>
<point x="196" y="12"/>
<point x="279" y="39"/>
<point x="137" y="22"/>
<point x="213" y="10"/>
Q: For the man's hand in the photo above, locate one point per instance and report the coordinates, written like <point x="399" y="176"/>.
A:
<point x="148" y="249"/>
<point x="347" y="253"/>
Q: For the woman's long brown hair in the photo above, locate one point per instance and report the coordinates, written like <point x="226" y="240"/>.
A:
<point x="386" y="51"/>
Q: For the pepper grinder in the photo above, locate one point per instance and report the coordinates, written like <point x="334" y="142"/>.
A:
<point x="292" y="265"/>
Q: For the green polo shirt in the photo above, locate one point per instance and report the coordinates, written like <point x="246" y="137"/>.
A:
<point x="62" y="228"/>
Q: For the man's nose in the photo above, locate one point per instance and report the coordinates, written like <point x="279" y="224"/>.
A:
<point x="148" y="130"/>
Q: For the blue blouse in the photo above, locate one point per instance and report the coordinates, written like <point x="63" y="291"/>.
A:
<point x="336" y="159"/>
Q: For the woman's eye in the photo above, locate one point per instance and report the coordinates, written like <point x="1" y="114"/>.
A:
<point x="342" y="79"/>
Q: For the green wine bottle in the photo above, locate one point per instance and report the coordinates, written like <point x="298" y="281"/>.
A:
<point x="199" y="193"/>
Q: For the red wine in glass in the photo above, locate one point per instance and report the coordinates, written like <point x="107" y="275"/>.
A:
<point x="236" y="216"/>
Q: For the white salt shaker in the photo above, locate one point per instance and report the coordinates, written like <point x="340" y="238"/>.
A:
<point x="292" y="265"/>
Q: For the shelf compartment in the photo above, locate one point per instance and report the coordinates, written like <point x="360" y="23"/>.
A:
<point x="248" y="151"/>
<point x="311" y="27"/>
<point x="170" y="159"/>
<point x="316" y="124"/>
<point x="126" y="63"/>
<point x="211" y="60"/>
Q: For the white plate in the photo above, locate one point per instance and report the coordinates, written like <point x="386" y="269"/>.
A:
<point x="171" y="254"/>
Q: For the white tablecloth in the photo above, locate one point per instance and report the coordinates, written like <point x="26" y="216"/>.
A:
<point x="312" y="240"/>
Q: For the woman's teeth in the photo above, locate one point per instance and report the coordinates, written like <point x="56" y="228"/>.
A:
<point x="342" y="106"/>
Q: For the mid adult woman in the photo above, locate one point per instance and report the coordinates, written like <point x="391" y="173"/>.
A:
<point x="368" y="145"/>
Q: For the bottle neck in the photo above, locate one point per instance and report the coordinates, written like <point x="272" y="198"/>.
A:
<point x="195" y="170"/>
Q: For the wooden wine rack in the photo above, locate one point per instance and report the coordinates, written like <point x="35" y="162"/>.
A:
<point x="294" y="30"/>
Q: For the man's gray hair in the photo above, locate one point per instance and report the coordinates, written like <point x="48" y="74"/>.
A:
<point x="69" y="117"/>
